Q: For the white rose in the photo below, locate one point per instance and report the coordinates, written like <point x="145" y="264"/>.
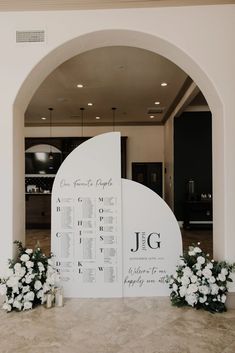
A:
<point x="214" y="289"/>
<point x="204" y="290"/>
<point x="197" y="249"/>
<point x="29" y="296"/>
<point x="212" y="279"/>
<point x="29" y="264"/>
<point x="192" y="288"/>
<point x="193" y="279"/>
<point x="199" y="273"/>
<point x="221" y="277"/>
<point x="185" y="280"/>
<point x="181" y="262"/>
<point x="24" y="257"/>
<point x="224" y="271"/>
<point x="207" y="273"/>
<point x="10" y="301"/>
<point x="12" y="281"/>
<point x="29" y="278"/>
<point x="191" y="299"/>
<point x="175" y="287"/>
<point x="223" y="298"/>
<point x="192" y="253"/>
<point x="41" y="268"/>
<point x="21" y="272"/>
<point x="209" y="265"/>
<point x="15" y="289"/>
<point x="39" y="294"/>
<point x="203" y="299"/>
<point x="19" y="297"/>
<point x="37" y="285"/>
<point x="198" y="266"/>
<point x="17" y="305"/>
<point x="27" y="305"/>
<point x="201" y="260"/>
<point x="29" y="251"/>
<point x="3" y="289"/>
<point x="17" y="266"/>
<point x="25" y="289"/>
<point x="183" y="290"/>
<point x="187" y="271"/>
<point x="43" y="298"/>
<point x="6" y="307"/>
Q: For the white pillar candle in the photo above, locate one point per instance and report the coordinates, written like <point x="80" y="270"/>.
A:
<point x="59" y="298"/>
<point x="48" y="300"/>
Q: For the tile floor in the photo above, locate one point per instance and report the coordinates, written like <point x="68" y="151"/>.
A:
<point x="133" y="325"/>
<point x="130" y="325"/>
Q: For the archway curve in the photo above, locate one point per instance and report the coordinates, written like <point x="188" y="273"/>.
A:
<point x="115" y="37"/>
<point x="120" y="37"/>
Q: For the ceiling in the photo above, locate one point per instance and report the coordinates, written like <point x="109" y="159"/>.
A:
<point x="28" y="5"/>
<point x="128" y="79"/>
<point x="125" y="78"/>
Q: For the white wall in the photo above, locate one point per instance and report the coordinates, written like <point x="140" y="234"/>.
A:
<point x="144" y="143"/>
<point x="199" y="39"/>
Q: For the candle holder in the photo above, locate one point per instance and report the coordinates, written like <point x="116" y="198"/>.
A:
<point x="49" y="302"/>
<point x="59" y="297"/>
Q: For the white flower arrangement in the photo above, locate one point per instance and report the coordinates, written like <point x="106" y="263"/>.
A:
<point x="199" y="282"/>
<point x="31" y="275"/>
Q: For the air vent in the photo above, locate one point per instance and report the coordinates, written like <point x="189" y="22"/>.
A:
<point x="30" y="36"/>
<point x="155" y="110"/>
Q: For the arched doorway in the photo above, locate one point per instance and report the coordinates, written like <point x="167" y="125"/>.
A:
<point x="143" y="41"/>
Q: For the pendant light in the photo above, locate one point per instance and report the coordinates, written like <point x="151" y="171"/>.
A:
<point x="50" y="154"/>
<point x="114" y="111"/>
<point x="82" y="121"/>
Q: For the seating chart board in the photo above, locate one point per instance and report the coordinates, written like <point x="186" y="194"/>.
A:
<point x="86" y="219"/>
<point x="111" y="237"/>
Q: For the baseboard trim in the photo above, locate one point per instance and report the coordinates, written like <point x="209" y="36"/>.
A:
<point x="230" y="301"/>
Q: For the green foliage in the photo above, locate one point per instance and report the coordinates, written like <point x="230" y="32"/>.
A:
<point x="30" y="277"/>
<point x="199" y="282"/>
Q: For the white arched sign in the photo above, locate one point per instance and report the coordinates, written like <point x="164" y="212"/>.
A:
<point x="151" y="241"/>
<point x="110" y="237"/>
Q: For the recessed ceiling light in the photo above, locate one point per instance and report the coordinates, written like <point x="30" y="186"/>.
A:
<point x="90" y="104"/>
<point x="151" y="116"/>
<point x="79" y="85"/>
<point x="43" y="118"/>
<point x="157" y="103"/>
<point x="163" y="84"/>
<point x="97" y="117"/>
